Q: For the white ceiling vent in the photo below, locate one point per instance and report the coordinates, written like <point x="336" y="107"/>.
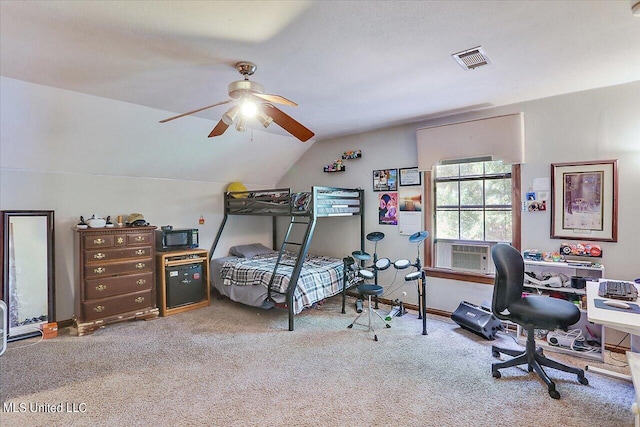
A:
<point x="472" y="58"/>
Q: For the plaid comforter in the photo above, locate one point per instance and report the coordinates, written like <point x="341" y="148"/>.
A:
<point x="320" y="277"/>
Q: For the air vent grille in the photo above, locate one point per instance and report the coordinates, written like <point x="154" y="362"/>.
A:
<point x="472" y="58"/>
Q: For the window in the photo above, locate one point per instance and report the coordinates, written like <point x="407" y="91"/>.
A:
<point x="472" y="211"/>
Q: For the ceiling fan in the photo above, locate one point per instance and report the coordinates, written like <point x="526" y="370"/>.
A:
<point x="251" y="101"/>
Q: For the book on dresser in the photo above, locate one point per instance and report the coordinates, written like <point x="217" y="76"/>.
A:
<point x="115" y="276"/>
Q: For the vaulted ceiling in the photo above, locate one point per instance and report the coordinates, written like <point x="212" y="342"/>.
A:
<point x="352" y="66"/>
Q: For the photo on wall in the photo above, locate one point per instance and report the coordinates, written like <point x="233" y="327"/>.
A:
<point x="410" y="210"/>
<point x="410" y="199"/>
<point x="388" y="208"/>
<point x="385" y="180"/>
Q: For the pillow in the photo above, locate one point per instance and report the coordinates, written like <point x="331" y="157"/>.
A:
<point x="249" y="251"/>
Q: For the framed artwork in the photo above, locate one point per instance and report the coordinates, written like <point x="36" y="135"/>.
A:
<point x="388" y="208"/>
<point x="584" y="199"/>
<point x="410" y="176"/>
<point x="385" y="180"/>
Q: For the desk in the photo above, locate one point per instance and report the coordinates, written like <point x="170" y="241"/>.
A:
<point x="616" y="319"/>
<point x="634" y="365"/>
<point x="622" y="321"/>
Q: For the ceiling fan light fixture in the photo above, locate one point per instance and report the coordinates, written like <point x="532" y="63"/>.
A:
<point x="264" y="119"/>
<point x="230" y="116"/>
<point x="241" y="126"/>
<point x="252" y="102"/>
<point x="249" y="108"/>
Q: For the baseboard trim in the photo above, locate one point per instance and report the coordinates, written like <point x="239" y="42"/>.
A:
<point x="443" y="313"/>
<point x="67" y="323"/>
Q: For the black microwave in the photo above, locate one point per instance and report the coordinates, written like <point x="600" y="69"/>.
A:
<point x="173" y="239"/>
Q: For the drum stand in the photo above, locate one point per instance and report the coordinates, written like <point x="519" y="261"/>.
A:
<point x="420" y="275"/>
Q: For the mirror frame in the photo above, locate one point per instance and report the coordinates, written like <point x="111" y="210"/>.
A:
<point x="4" y="255"/>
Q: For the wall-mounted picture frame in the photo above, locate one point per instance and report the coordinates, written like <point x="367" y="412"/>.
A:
<point x="409" y="176"/>
<point x="385" y="180"/>
<point x="388" y="208"/>
<point x="584" y="197"/>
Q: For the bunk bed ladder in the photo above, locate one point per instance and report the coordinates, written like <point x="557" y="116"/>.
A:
<point x="301" y="248"/>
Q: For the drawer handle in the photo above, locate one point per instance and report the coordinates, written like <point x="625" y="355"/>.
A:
<point x="99" y="309"/>
<point x="139" y="238"/>
<point x="99" y="270"/>
<point x="139" y="300"/>
<point x="98" y="241"/>
<point x="141" y="282"/>
<point x="140" y="265"/>
<point x="120" y="240"/>
<point x="99" y="255"/>
<point x="101" y="288"/>
<point x="140" y="252"/>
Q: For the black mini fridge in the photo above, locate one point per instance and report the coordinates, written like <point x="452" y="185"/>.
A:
<point x="184" y="285"/>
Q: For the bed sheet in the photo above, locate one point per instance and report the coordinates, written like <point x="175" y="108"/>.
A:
<point x="246" y="279"/>
<point x="255" y="296"/>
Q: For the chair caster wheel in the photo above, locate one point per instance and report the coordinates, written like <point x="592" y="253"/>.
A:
<point x="554" y="394"/>
<point x="388" y="325"/>
<point x="495" y="374"/>
<point x="375" y="338"/>
<point x="583" y="380"/>
<point x="495" y="353"/>
<point x="350" y="326"/>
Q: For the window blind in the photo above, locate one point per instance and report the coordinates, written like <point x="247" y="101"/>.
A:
<point x="501" y="137"/>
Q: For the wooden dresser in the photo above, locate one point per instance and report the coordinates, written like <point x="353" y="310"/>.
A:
<point x="115" y="276"/>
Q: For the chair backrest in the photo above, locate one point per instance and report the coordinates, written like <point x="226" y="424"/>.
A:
<point x="509" y="279"/>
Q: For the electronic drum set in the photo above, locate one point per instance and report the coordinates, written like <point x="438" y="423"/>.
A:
<point x="380" y="264"/>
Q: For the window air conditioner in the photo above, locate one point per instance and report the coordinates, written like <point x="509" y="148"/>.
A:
<point x="473" y="258"/>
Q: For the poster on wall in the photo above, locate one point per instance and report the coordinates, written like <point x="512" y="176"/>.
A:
<point x="388" y="208"/>
<point x="385" y="180"/>
<point x="410" y="210"/>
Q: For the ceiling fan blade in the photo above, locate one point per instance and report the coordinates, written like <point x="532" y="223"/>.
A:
<point x="220" y="128"/>
<point x="288" y="123"/>
<point x="275" y="98"/>
<point x="196" y="111"/>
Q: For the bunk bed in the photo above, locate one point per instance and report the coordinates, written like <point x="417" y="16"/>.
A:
<point x="263" y="277"/>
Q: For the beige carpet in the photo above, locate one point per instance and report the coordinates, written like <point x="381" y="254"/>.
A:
<point x="232" y="365"/>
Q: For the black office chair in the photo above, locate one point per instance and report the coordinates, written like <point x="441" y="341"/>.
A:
<point x="530" y="312"/>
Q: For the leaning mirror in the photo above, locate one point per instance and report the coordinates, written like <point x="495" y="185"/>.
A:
<point x="28" y="280"/>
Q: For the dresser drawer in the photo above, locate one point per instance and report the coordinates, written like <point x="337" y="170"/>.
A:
<point x="115" y="254"/>
<point x="99" y="241"/>
<point x="118" y="285"/>
<point x="105" y="307"/>
<point x="139" y="239"/>
<point x="94" y="270"/>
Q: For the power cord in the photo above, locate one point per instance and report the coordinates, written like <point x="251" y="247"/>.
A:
<point x="30" y="344"/>
<point x="623" y="363"/>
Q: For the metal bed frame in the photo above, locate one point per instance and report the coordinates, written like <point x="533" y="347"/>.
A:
<point x="325" y="202"/>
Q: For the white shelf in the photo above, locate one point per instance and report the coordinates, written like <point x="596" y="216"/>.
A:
<point x="566" y="265"/>
<point x="588" y="329"/>
<point x="595" y="355"/>
<point x="562" y="289"/>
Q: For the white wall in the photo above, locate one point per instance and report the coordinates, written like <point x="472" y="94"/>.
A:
<point x="592" y="125"/>
<point x="81" y="155"/>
